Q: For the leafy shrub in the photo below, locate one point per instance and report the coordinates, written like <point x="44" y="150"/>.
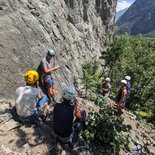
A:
<point x="144" y="114"/>
<point x="91" y="78"/>
<point x="106" y="130"/>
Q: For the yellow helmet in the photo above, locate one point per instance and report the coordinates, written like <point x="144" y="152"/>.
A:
<point x="31" y="77"/>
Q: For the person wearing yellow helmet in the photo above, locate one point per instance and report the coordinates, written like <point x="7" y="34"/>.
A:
<point x="31" y="77"/>
<point x="45" y="69"/>
<point x="30" y="99"/>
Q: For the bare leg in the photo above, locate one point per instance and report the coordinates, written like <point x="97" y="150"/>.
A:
<point x="52" y="93"/>
<point x="45" y="108"/>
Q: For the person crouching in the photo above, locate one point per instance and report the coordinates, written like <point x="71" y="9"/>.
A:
<point x="29" y="100"/>
<point x="64" y="114"/>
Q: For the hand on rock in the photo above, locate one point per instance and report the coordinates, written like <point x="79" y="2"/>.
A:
<point x="56" y="67"/>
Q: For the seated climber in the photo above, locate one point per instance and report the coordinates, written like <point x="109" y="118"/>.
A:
<point x="30" y="102"/>
<point x="64" y="116"/>
<point x="45" y="69"/>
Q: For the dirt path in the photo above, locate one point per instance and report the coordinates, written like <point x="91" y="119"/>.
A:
<point x="141" y="131"/>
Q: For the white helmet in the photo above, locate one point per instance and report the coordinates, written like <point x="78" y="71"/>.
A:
<point x="124" y="81"/>
<point x="69" y="93"/>
<point x="108" y="79"/>
<point x="51" y="52"/>
<point x="128" y="78"/>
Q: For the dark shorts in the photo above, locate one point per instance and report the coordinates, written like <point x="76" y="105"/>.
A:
<point x="29" y="119"/>
<point x="48" y="81"/>
<point x="121" y="105"/>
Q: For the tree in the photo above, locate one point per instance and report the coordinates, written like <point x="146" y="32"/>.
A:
<point x="134" y="56"/>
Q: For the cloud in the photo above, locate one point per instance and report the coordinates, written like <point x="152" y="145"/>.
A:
<point x="122" y="5"/>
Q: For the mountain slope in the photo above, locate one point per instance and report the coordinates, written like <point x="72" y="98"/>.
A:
<point x="139" y="18"/>
<point x="120" y="13"/>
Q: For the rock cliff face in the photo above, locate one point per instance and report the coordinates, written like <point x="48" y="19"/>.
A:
<point x="76" y="29"/>
<point x="139" y="18"/>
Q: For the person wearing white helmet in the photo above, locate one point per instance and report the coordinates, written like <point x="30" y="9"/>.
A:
<point x="128" y="86"/>
<point x="106" y="87"/>
<point x="65" y="112"/>
<point x="121" y="96"/>
<point x="45" y="69"/>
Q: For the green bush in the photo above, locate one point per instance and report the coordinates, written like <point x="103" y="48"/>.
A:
<point x="91" y="78"/>
<point x="133" y="56"/>
<point x="106" y="130"/>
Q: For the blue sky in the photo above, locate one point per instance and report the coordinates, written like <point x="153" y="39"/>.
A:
<point x="122" y="4"/>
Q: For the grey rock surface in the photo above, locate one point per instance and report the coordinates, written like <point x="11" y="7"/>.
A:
<point x="76" y="29"/>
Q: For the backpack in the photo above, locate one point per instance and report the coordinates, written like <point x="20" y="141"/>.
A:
<point x="39" y="70"/>
<point x="78" y="126"/>
<point x="41" y="82"/>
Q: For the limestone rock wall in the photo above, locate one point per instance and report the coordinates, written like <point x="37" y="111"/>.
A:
<point x="76" y="29"/>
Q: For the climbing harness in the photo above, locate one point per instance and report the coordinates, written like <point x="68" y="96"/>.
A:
<point x="120" y="105"/>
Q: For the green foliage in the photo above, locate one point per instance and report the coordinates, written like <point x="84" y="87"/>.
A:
<point x="106" y="130"/>
<point x="150" y="34"/>
<point x="144" y="114"/>
<point x="134" y="56"/>
<point x="91" y="77"/>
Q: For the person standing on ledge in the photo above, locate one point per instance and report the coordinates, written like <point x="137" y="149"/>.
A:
<point x="128" y="86"/>
<point x="45" y="69"/>
<point x="106" y="87"/>
<point x="121" y="96"/>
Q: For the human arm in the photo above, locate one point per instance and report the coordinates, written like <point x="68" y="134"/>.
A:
<point x="105" y="90"/>
<point x="49" y="70"/>
<point x="46" y="68"/>
<point x="124" y="93"/>
<point x="77" y="111"/>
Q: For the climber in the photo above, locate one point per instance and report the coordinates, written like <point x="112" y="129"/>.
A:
<point x="106" y="87"/>
<point x="128" y="86"/>
<point x="64" y="115"/>
<point x="30" y="102"/>
<point x="45" y="69"/>
<point x="121" y="96"/>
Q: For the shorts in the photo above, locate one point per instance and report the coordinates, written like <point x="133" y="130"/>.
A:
<point x="42" y="101"/>
<point x="29" y="119"/>
<point x="121" y="105"/>
<point x="48" y="81"/>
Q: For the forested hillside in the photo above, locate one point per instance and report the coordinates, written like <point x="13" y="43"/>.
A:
<point x="134" y="56"/>
<point x="139" y="18"/>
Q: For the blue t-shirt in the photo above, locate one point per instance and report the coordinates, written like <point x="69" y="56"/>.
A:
<point x="128" y="87"/>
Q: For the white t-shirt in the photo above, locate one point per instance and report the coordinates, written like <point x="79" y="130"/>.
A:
<point x="26" y="100"/>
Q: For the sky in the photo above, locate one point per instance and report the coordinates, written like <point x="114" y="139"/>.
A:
<point x="122" y="4"/>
